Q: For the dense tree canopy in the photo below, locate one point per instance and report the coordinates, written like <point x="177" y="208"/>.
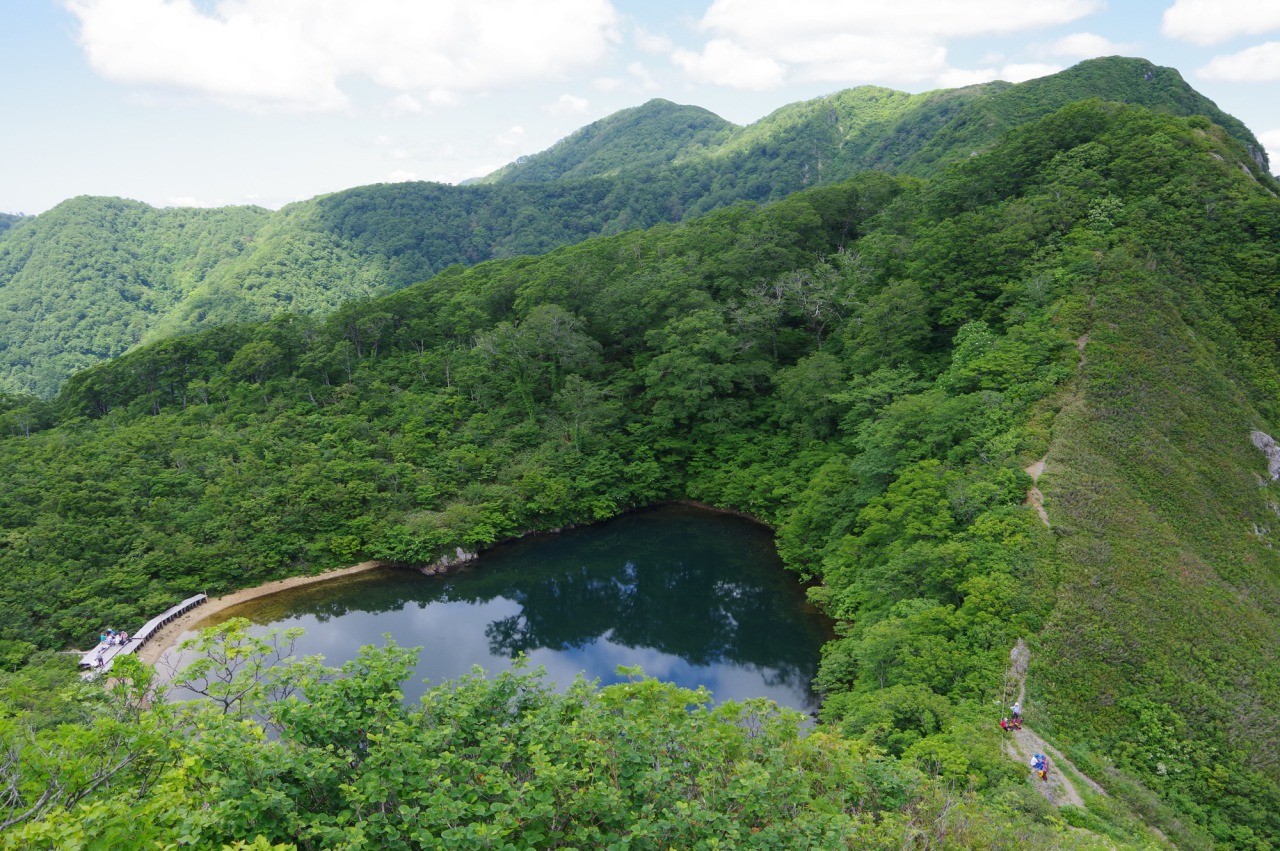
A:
<point x="95" y="277"/>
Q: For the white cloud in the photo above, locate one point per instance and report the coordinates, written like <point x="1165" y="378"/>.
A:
<point x="762" y="44"/>
<point x="727" y="64"/>
<point x="405" y="104"/>
<point x="954" y="78"/>
<point x="193" y="201"/>
<point x="642" y="79"/>
<point x="511" y="138"/>
<point x="295" y="53"/>
<point x="1018" y="72"/>
<point x="1257" y="64"/>
<point x="1270" y="140"/>
<point x="1088" y="45"/>
<point x="651" y="42"/>
<point x="1216" y="21"/>
<point x="568" y="105"/>
<point x="468" y="173"/>
<point x="401" y="176"/>
<point x="958" y="78"/>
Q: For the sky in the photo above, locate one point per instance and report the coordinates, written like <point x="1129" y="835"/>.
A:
<point x="219" y="102"/>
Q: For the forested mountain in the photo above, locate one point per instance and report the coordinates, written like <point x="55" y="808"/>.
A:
<point x="74" y="291"/>
<point x="645" y="138"/>
<point x="89" y="279"/>
<point x="830" y="138"/>
<point x="868" y="367"/>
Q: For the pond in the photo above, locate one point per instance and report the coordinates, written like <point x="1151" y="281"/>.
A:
<point x="691" y="596"/>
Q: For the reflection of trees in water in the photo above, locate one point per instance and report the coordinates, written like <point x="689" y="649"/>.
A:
<point x="705" y="589"/>
<point x="683" y="608"/>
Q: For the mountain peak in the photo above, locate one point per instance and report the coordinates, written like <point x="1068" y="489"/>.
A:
<point x="647" y="136"/>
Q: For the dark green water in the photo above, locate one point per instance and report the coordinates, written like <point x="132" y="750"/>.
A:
<point x="691" y="596"/>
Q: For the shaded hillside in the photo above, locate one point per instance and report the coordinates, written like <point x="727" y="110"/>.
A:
<point x="868" y="367"/>
<point x="89" y="279"/>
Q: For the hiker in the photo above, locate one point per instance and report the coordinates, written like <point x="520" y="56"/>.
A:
<point x="1017" y="712"/>
<point x="1040" y="766"/>
<point x="1004" y="724"/>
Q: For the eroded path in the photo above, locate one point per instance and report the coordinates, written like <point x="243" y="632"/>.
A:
<point x="1035" y="499"/>
<point x="1059" y="789"/>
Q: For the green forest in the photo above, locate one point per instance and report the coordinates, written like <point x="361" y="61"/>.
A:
<point x="96" y="277"/>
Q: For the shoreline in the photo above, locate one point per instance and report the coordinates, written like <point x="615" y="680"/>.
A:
<point x="166" y="637"/>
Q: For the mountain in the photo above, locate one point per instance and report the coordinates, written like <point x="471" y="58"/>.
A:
<point x="74" y="291"/>
<point x="644" y="138"/>
<point x="869" y="367"/>
<point x="870" y="127"/>
<point x="89" y="279"/>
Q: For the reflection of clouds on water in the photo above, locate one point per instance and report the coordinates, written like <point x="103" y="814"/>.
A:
<point x="601" y="658"/>
<point x="691" y="599"/>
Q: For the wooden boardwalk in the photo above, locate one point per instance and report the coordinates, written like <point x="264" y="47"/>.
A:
<point x="101" y="658"/>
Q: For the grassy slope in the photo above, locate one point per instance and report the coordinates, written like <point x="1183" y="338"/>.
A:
<point x="645" y="137"/>
<point x="872" y="126"/>
<point x="1168" y="615"/>
<point x="1127" y="80"/>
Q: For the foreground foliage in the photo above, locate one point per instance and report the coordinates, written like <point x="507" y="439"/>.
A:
<point x="481" y="763"/>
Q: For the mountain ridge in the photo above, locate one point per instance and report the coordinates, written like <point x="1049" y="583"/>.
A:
<point x="312" y="255"/>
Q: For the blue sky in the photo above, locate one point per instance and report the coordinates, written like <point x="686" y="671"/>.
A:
<point x="211" y="102"/>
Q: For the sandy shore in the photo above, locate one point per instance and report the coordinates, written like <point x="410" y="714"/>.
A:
<point x="168" y="634"/>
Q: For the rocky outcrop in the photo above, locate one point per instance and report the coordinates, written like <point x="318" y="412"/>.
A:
<point x="445" y="562"/>
<point x="1270" y="448"/>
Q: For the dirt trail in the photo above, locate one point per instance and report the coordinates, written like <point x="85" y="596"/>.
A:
<point x="1035" y="499"/>
<point x="1022" y="744"/>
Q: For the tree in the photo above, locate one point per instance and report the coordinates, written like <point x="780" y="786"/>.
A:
<point x="255" y="361"/>
<point x="240" y="674"/>
<point x="892" y="330"/>
<point x="534" y="355"/>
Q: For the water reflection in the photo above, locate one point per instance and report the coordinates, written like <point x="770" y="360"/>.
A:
<point x="692" y="597"/>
